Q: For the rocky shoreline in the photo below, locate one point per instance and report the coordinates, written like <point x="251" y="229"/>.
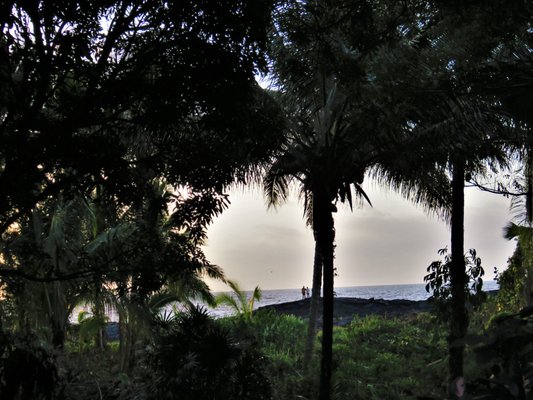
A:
<point x="346" y="308"/>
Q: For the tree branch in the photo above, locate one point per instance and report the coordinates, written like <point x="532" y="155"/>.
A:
<point x="495" y="191"/>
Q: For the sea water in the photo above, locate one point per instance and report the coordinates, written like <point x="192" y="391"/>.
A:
<point x="386" y="292"/>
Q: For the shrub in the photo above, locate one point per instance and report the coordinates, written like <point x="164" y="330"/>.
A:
<point x="382" y="358"/>
<point x="439" y="282"/>
<point x="197" y="358"/>
<point x="281" y="338"/>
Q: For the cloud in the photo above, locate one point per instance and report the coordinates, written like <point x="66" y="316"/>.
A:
<point x="393" y="242"/>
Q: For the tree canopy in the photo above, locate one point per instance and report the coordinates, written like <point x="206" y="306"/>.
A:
<point x="95" y="92"/>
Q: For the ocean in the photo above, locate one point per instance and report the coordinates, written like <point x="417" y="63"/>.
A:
<point x="385" y="292"/>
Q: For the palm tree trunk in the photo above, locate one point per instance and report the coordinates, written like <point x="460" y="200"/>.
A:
<point x="527" y="290"/>
<point x="325" y="237"/>
<point x="123" y="341"/>
<point x="459" y="317"/>
<point x="54" y="309"/>
<point x="128" y="338"/>
<point x="99" y="312"/>
<point x="313" y="312"/>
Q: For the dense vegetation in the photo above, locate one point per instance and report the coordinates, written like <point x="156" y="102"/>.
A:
<point x="199" y="357"/>
<point x="123" y="124"/>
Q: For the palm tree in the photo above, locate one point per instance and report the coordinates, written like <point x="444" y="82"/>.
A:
<point x="328" y="157"/>
<point x="342" y="124"/>
<point x="509" y="77"/>
<point x="238" y="301"/>
<point x="445" y="73"/>
<point x="469" y="136"/>
<point x="474" y="135"/>
<point x="463" y="132"/>
<point x="345" y="120"/>
<point x="314" y="158"/>
<point x="47" y="251"/>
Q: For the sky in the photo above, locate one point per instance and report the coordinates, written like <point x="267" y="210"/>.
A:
<point x="392" y="242"/>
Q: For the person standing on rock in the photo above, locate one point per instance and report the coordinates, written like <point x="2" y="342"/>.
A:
<point x="304" y="291"/>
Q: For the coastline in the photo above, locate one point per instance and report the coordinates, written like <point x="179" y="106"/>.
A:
<point x="345" y="308"/>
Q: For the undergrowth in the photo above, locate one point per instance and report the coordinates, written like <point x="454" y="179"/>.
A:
<point x="374" y="358"/>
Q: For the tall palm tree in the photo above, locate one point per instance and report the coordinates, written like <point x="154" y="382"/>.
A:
<point x="328" y="156"/>
<point x="446" y="72"/>
<point x="510" y="78"/>
<point x="468" y="136"/>
<point x="344" y="123"/>
<point x="464" y="131"/>
<point x="474" y="134"/>
<point x="315" y="157"/>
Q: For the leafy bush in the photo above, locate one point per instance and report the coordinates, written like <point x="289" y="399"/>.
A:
<point x="197" y="358"/>
<point x="374" y="357"/>
<point x="511" y="282"/>
<point x="89" y="326"/>
<point x="281" y="338"/>
<point x="279" y="333"/>
<point x="439" y="282"/>
<point x="382" y="358"/>
<point x="502" y="356"/>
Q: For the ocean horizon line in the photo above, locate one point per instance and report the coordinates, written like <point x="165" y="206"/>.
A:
<point x="492" y="282"/>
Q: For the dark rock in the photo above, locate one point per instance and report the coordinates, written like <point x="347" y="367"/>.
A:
<point x="345" y="308"/>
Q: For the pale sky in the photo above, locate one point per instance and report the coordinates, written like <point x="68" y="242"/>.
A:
<point x="391" y="243"/>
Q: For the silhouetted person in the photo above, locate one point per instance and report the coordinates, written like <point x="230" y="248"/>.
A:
<point x="304" y="291"/>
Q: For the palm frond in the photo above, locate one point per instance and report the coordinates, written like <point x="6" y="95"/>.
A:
<point x="237" y="300"/>
<point x="361" y="192"/>
<point x="513" y="231"/>
<point x="229" y="300"/>
<point x="428" y="189"/>
<point x="257" y="294"/>
<point x="237" y="291"/>
<point x="306" y="197"/>
<point x="275" y="188"/>
<point x="162" y="299"/>
<point x="191" y="287"/>
<point x="111" y="239"/>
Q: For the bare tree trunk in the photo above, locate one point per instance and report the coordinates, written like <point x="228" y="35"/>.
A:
<point x="459" y="317"/>
<point x="313" y="312"/>
<point x="527" y="289"/>
<point x="123" y="342"/>
<point x="100" y="224"/>
<point x="55" y="303"/>
<point x="58" y="335"/>
<point x="128" y="337"/>
<point x="325" y="236"/>
<point x="99" y="312"/>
